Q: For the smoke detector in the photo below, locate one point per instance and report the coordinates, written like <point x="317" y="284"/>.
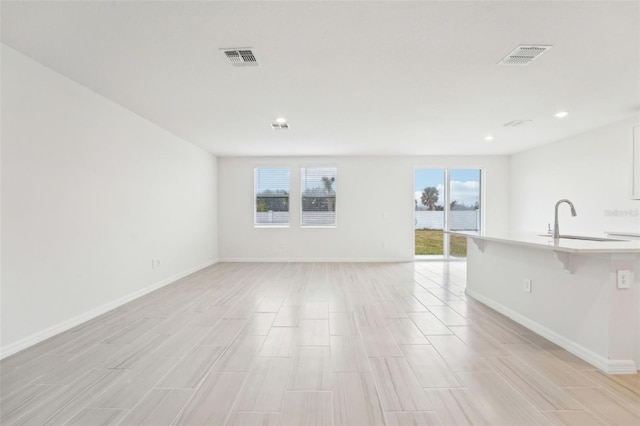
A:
<point x="241" y="57"/>
<point x="517" y="123"/>
<point x="524" y="54"/>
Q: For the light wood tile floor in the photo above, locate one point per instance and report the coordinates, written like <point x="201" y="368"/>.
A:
<point x="310" y="344"/>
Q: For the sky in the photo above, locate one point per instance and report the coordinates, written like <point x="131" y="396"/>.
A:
<point x="465" y="184"/>
<point x="272" y="178"/>
<point x="278" y="178"/>
<point x="312" y="177"/>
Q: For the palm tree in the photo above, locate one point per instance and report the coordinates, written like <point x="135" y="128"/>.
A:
<point x="429" y="197"/>
<point x="328" y="186"/>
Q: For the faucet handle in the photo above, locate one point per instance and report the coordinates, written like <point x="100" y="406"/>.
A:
<point x="549" y="231"/>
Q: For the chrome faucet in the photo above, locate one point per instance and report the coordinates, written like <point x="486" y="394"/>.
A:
<point x="556" y="228"/>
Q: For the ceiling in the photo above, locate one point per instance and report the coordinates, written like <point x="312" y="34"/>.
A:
<point x="351" y="78"/>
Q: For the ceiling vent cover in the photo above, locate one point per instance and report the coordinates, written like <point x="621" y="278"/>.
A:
<point x="517" y="123"/>
<point x="280" y="126"/>
<point x="524" y="54"/>
<point x="241" y="57"/>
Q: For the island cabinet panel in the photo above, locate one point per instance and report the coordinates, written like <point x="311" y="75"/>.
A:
<point x="568" y="295"/>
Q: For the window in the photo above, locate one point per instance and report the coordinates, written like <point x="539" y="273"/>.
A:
<point x="271" y="186"/>
<point x="318" y="196"/>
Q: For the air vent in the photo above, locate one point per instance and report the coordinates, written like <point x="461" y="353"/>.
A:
<point x="517" y="123"/>
<point x="524" y="55"/>
<point x="280" y="126"/>
<point x="241" y="57"/>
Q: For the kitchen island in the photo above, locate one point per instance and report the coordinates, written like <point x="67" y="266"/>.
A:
<point x="565" y="290"/>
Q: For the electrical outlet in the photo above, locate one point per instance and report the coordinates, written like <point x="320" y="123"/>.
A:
<point x="527" y="286"/>
<point x="624" y="278"/>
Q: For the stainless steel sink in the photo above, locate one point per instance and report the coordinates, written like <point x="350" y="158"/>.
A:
<point x="579" y="237"/>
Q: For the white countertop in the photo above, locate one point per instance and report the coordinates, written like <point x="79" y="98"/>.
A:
<point x="623" y="234"/>
<point x="563" y="244"/>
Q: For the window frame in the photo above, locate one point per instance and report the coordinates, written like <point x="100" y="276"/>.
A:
<point x="331" y="226"/>
<point x="257" y="225"/>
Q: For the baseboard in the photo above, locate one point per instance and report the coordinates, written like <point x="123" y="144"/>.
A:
<point x="79" y="319"/>
<point x="312" y="259"/>
<point x="609" y="366"/>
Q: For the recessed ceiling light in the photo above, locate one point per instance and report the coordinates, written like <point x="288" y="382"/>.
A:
<point x="281" y="120"/>
<point x="561" y="114"/>
<point x="488" y="138"/>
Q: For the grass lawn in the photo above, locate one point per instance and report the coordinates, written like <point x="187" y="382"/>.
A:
<point x="429" y="242"/>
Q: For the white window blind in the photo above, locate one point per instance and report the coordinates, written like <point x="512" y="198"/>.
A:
<point x="271" y="195"/>
<point x="319" y="186"/>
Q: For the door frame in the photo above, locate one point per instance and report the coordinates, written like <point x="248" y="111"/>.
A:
<point x="447" y="210"/>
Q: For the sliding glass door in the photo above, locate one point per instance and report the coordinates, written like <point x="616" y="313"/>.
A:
<point x="429" y="217"/>
<point x="464" y="207"/>
<point x="445" y="200"/>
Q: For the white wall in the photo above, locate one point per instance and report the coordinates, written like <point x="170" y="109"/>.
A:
<point x="381" y="186"/>
<point x="592" y="169"/>
<point x="90" y="194"/>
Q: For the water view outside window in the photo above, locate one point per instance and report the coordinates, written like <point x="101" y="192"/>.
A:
<point x="445" y="199"/>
